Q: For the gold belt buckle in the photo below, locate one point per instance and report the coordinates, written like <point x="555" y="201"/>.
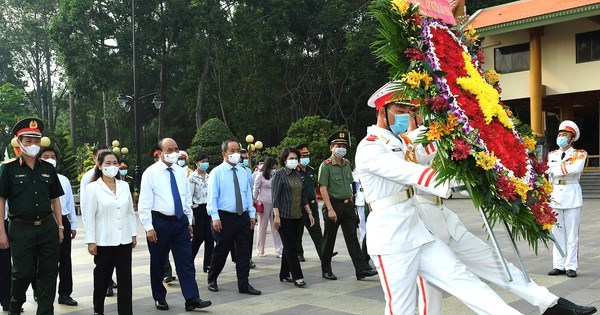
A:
<point x="312" y="201"/>
<point x="562" y="181"/>
<point x="37" y="222"/>
<point x="346" y="200"/>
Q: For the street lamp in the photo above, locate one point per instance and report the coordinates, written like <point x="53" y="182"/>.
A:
<point x="252" y="146"/>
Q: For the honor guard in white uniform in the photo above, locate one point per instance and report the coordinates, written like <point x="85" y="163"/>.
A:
<point x="565" y="167"/>
<point x="399" y="242"/>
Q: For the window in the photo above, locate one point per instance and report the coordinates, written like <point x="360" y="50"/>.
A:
<point x="587" y="46"/>
<point x="513" y="58"/>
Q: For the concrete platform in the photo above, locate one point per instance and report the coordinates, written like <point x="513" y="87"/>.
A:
<point x="344" y="296"/>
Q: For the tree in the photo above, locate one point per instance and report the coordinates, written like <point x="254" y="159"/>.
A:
<point x="12" y="107"/>
<point x="209" y="138"/>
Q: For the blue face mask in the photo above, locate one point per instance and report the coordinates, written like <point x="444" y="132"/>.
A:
<point x="304" y="161"/>
<point x="245" y="163"/>
<point x="401" y="122"/>
<point x="203" y="166"/>
<point x="562" y="142"/>
<point x="123" y="172"/>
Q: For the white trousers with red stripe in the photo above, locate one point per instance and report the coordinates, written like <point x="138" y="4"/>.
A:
<point x="483" y="261"/>
<point x="566" y="233"/>
<point x="435" y="262"/>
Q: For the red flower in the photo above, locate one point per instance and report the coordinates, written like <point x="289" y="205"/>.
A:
<point x="506" y="188"/>
<point x="439" y="103"/>
<point x="461" y="149"/>
<point x="480" y="56"/>
<point x="539" y="167"/>
<point x="414" y="54"/>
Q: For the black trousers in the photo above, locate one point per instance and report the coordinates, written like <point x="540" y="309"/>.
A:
<point x="289" y="261"/>
<point x="203" y="234"/>
<point x="316" y="234"/>
<point x="5" y="270"/>
<point x="119" y="258"/>
<point x="346" y="218"/>
<point x="235" y="231"/>
<point x="65" y="267"/>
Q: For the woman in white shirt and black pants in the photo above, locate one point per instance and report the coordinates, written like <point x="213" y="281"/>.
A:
<point x="110" y="232"/>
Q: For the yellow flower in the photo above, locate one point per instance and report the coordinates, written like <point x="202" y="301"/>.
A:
<point x="521" y="187"/>
<point x="548" y="186"/>
<point x="426" y="79"/>
<point x="529" y="143"/>
<point x="488" y="97"/>
<point x="547" y="226"/>
<point x="450" y="124"/>
<point x="434" y="132"/>
<point x="470" y="34"/>
<point x="412" y="78"/>
<point x="485" y="161"/>
<point x="401" y="6"/>
<point x="492" y="76"/>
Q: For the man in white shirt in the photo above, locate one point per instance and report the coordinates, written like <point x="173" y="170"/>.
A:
<point x="69" y="219"/>
<point x="165" y="210"/>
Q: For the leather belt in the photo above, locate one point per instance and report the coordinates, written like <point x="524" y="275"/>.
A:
<point x="565" y="181"/>
<point x="31" y="222"/>
<point x="390" y="200"/>
<point x="335" y="200"/>
<point x="164" y="216"/>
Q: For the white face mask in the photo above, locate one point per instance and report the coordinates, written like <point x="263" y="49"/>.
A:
<point x="291" y="164"/>
<point x="339" y="152"/>
<point x="234" y="158"/>
<point x="181" y="163"/>
<point x="110" y="171"/>
<point x="51" y="161"/>
<point x="171" y="157"/>
<point x="31" y="150"/>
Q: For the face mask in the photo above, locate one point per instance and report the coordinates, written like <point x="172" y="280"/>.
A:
<point x="273" y="172"/>
<point x="181" y="163"/>
<point x="562" y="142"/>
<point x="31" y="150"/>
<point x="171" y="157"/>
<point x="110" y="171"/>
<point x="203" y="166"/>
<point x="340" y="152"/>
<point x="401" y="122"/>
<point x="234" y="158"/>
<point x="291" y="164"/>
<point x="51" y="161"/>
<point x="304" y="161"/>
<point x="245" y="163"/>
<point x="123" y="172"/>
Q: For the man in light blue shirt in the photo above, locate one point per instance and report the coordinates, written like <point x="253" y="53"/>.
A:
<point x="233" y="215"/>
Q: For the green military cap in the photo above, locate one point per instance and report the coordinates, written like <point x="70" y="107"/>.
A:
<point x="29" y="127"/>
<point x="341" y="136"/>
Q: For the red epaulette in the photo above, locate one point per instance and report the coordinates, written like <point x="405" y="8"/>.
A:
<point x="327" y="161"/>
<point x="346" y="160"/>
<point x="372" y="138"/>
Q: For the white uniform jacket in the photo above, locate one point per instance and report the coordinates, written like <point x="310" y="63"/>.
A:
<point x="383" y="170"/>
<point x="565" y="174"/>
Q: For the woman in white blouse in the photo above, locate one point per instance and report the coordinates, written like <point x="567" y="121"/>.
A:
<point x="262" y="193"/>
<point x="110" y="232"/>
<point x="202" y="222"/>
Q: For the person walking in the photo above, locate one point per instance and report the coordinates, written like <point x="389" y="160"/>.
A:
<point x="262" y="194"/>
<point x="289" y="198"/>
<point x="565" y="167"/>
<point x="35" y="230"/>
<point x="202" y="230"/>
<point x="110" y="232"/>
<point x="165" y="211"/>
<point x="233" y="216"/>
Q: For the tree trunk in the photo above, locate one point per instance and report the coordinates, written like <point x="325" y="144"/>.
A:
<point x="201" y="81"/>
<point x="49" y="96"/>
<point x="72" y="123"/>
<point x="107" y="131"/>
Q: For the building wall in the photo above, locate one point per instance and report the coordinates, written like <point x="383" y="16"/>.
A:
<point x="560" y="73"/>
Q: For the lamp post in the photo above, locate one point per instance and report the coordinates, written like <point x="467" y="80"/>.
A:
<point x="252" y="146"/>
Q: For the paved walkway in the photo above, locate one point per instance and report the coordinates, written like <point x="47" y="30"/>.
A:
<point x="344" y="296"/>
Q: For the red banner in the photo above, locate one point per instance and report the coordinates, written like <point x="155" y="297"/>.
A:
<point x="439" y="9"/>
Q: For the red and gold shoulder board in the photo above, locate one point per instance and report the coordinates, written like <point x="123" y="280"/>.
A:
<point x="327" y="161"/>
<point x="372" y="138"/>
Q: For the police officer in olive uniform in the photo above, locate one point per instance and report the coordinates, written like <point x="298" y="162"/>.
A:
<point x="335" y="178"/>
<point x="35" y="231"/>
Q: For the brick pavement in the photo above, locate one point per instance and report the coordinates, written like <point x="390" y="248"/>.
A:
<point x="344" y="296"/>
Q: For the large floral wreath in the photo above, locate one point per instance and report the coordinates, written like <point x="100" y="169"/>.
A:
<point x="480" y="142"/>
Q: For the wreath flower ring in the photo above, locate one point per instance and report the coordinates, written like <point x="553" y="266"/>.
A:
<point x="481" y="143"/>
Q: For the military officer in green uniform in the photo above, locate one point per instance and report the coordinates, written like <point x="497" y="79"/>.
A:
<point x="35" y="230"/>
<point x="335" y="180"/>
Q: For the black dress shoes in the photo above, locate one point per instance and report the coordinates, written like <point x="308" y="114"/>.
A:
<point x="250" y="290"/>
<point x="212" y="286"/>
<point x="110" y="291"/>
<point x="252" y="264"/>
<point x="565" y="306"/>
<point x="6" y="308"/>
<point x="365" y="273"/>
<point x="329" y="276"/>
<point x="300" y="283"/>
<point x="571" y="273"/>
<point x="66" y="300"/>
<point x="161" y="305"/>
<point x="196" y="303"/>
<point x="556" y="272"/>
<point x="286" y="279"/>
<point x="301" y="258"/>
<point x="205" y="269"/>
<point x="169" y="279"/>
<point x="334" y="254"/>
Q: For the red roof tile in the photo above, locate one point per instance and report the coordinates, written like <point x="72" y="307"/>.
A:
<point x="525" y="9"/>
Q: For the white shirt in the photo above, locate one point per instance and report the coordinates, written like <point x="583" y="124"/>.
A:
<point x="109" y="220"/>
<point x="67" y="202"/>
<point x="199" y="188"/>
<point x="567" y="169"/>
<point x="86" y="179"/>
<point x="156" y="195"/>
